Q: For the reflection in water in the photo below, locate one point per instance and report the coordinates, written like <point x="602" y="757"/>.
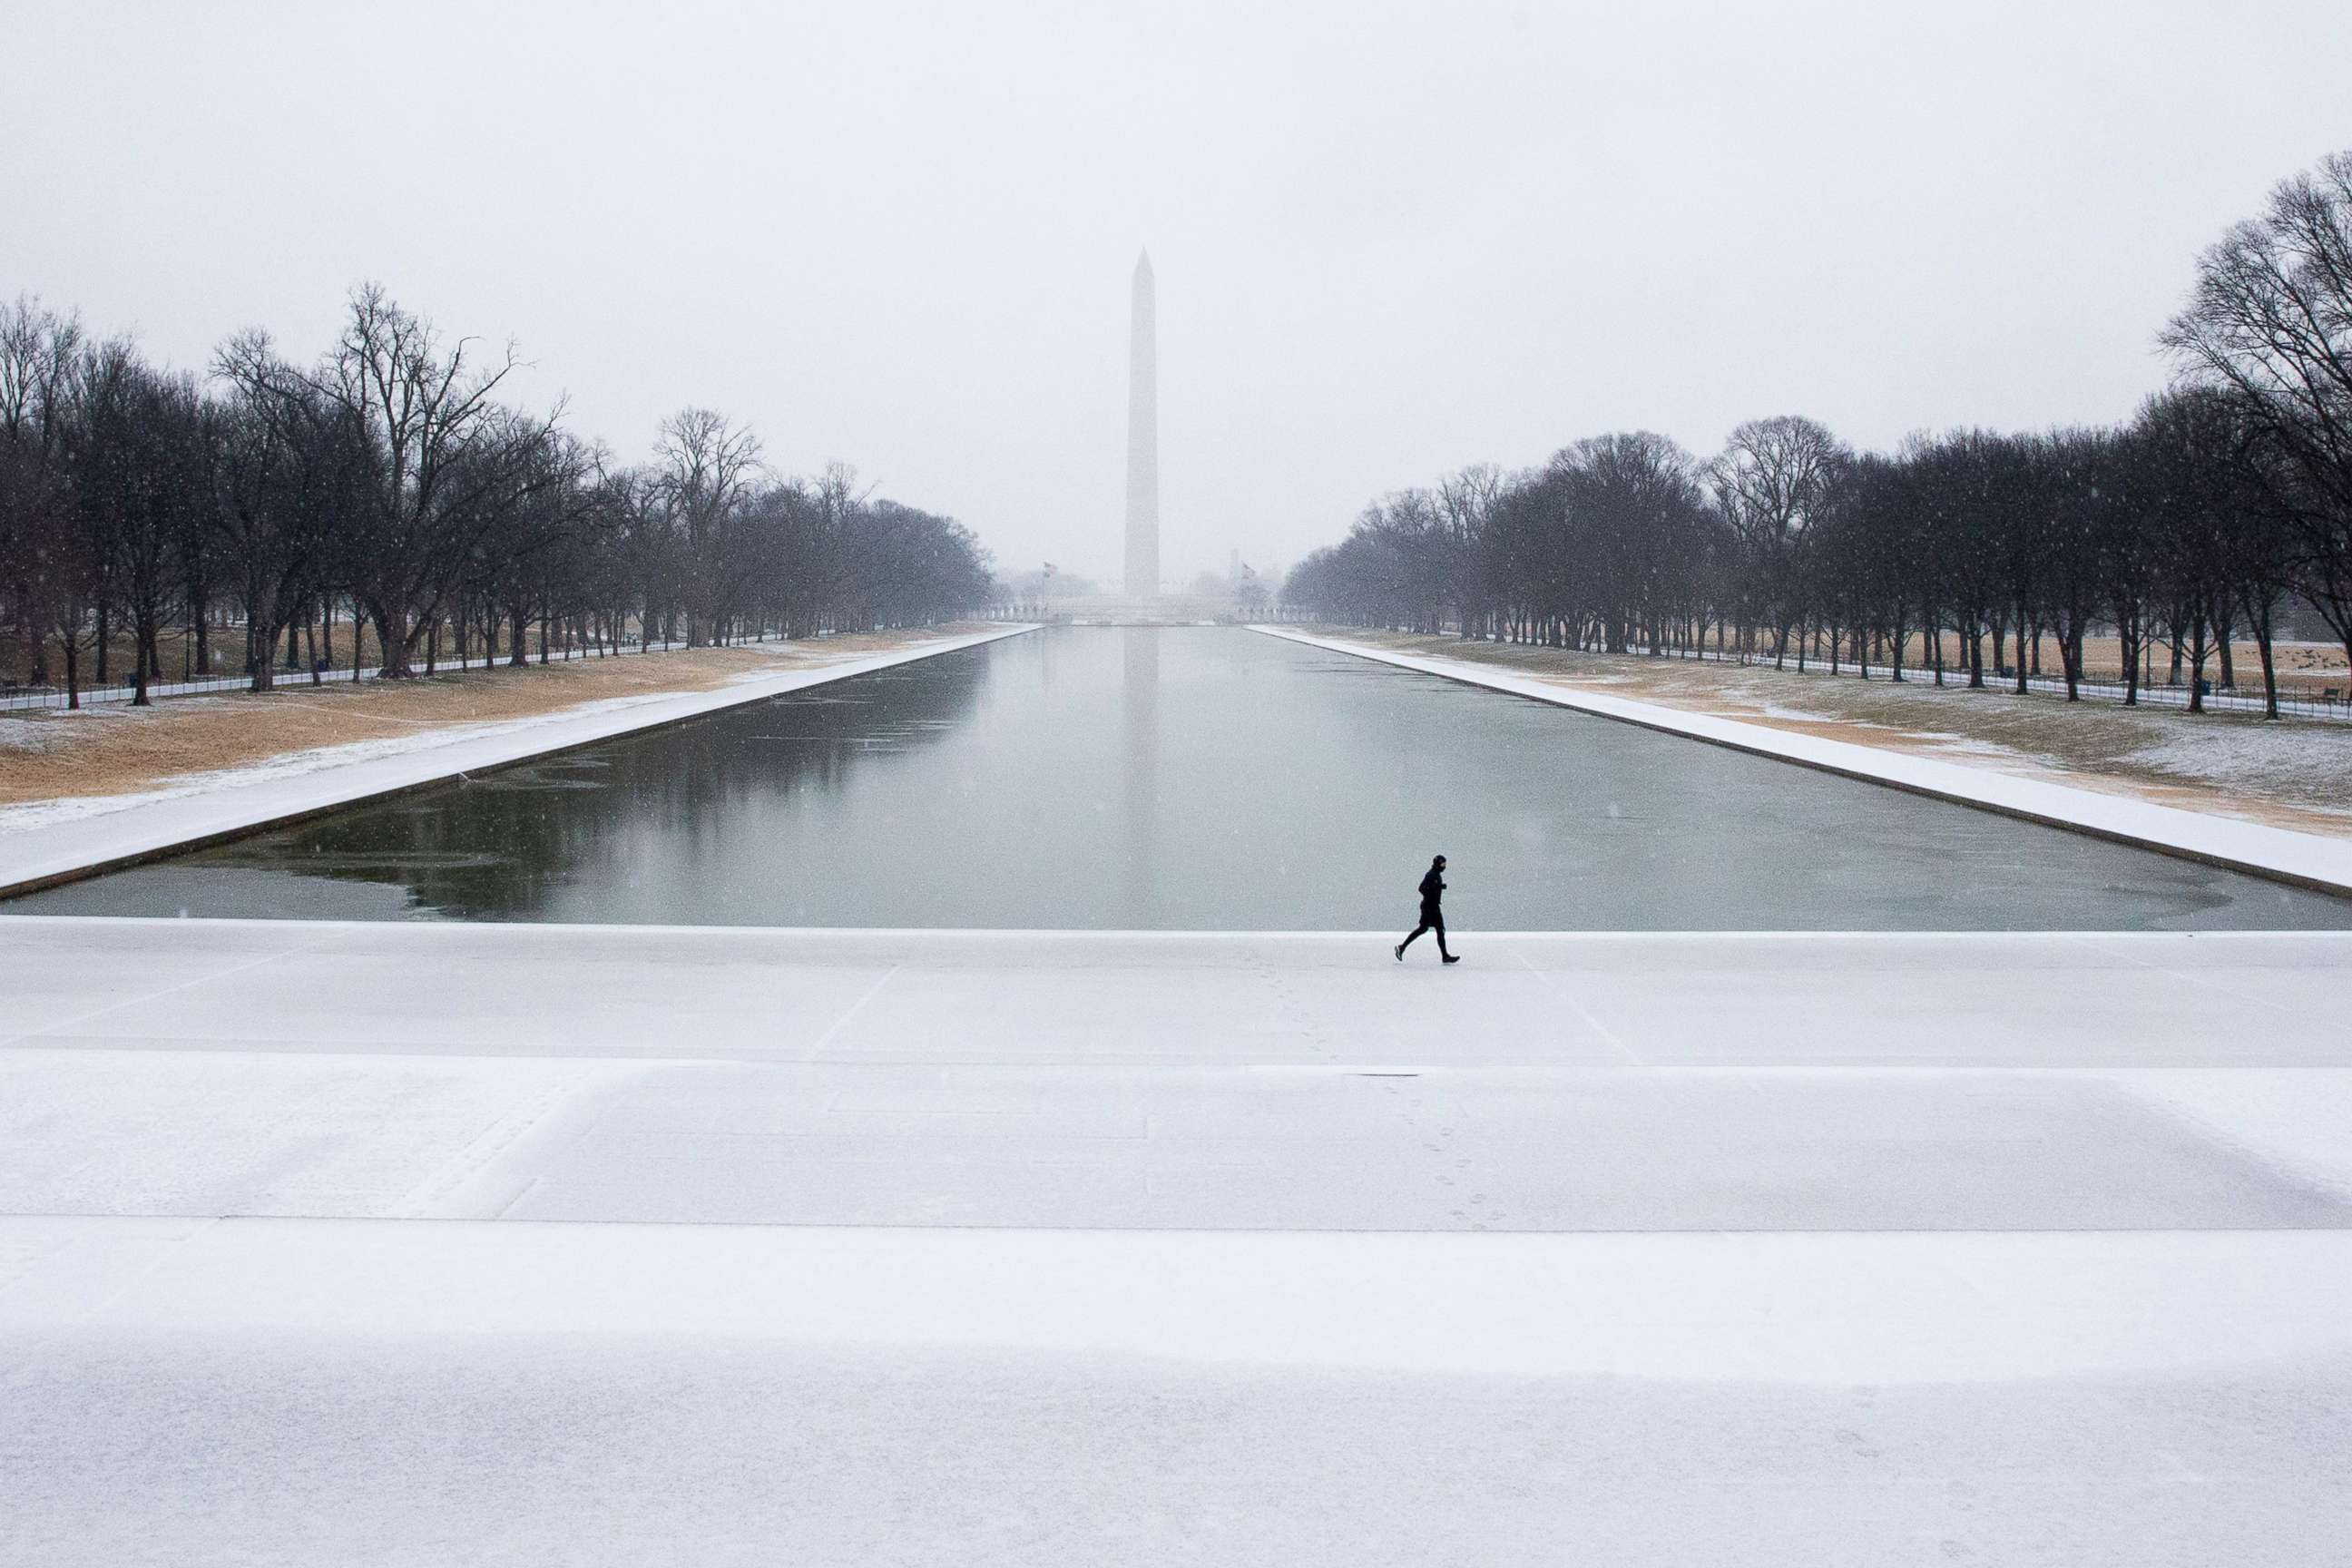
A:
<point x="1139" y="700"/>
<point x="1186" y="778"/>
<point x="612" y="832"/>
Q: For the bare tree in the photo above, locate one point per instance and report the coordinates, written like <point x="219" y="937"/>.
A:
<point x="286" y="466"/>
<point x="2271" y="320"/>
<point x="1464" y="502"/>
<point x="1773" y="479"/>
<point x="440" y="459"/>
<point x="706" y="467"/>
<point x="388" y="475"/>
<point x="40" y="349"/>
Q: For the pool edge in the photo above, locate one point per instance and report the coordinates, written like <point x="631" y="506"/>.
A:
<point x="2075" y="810"/>
<point x="25" y="869"/>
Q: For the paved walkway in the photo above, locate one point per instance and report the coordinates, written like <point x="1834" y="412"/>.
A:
<point x="1088" y="1247"/>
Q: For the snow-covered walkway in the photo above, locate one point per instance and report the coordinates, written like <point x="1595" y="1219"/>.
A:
<point x="405" y="1244"/>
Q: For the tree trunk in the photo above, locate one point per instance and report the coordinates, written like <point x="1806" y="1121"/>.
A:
<point x="391" y="640"/>
<point x="2260" y="620"/>
<point x="143" y="637"/>
<point x="2197" y="665"/>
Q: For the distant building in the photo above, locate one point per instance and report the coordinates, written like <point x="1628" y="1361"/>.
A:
<point x="1142" y="441"/>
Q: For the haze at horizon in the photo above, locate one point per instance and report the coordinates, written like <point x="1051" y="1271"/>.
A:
<point x="1389" y="242"/>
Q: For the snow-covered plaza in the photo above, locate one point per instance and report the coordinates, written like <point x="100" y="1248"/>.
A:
<point x="851" y="785"/>
<point x="414" y="1244"/>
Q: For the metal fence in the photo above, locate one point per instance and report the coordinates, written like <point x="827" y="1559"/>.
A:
<point x="2330" y="703"/>
<point x="25" y="698"/>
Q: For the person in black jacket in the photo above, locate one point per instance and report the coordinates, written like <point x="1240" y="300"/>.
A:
<point x="1433" y="888"/>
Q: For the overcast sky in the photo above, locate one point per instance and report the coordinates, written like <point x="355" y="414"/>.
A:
<point x="1390" y="239"/>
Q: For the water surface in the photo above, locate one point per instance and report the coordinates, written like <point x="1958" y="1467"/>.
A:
<point x="1182" y="778"/>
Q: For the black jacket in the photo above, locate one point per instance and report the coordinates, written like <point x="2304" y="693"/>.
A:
<point x="1432" y="888"/>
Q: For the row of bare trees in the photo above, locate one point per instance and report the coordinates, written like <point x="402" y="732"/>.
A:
<point x="389" y="483"/>
<point x="2226" y="499"/>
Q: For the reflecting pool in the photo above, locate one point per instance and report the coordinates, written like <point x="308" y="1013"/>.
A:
<point x="1182" y="778"/>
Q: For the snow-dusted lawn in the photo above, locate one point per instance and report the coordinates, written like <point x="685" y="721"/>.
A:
<point x="1081" y="1247"/>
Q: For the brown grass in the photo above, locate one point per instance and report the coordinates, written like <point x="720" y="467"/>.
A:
<point x="115" y="749"/>
<point x="176" y="647"/>
<point x="2309" y="669"/>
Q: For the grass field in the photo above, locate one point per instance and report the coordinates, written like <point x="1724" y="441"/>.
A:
<point x="176" y="647"/>
<point x="2311" y="670"/>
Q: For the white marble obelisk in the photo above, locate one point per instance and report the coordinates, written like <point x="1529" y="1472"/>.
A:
<point x="1143" y="443"/>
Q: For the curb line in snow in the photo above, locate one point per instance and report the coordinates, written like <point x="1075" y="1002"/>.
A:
<point x="2301" y="860"/>
<point x="47" y="855"/>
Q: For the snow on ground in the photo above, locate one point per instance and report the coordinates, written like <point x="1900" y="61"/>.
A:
<point x="275" y="1392"/>
<point x="1086" y="1246"/>
<point x="33" y="815"/>
<point x="169" y="1132"/>
<point x="2292" y="1120"/>
<point x="1236" y="1148"/>
<point x="2305" y="763"/>
<point x="1576" y="1084"/>
<point x="27" y="735"/>
<point x="2260" y="758"/>
<point x="1028" y="1247"/>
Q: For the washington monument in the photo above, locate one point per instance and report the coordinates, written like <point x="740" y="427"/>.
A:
<point x="1143" y="443"/>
